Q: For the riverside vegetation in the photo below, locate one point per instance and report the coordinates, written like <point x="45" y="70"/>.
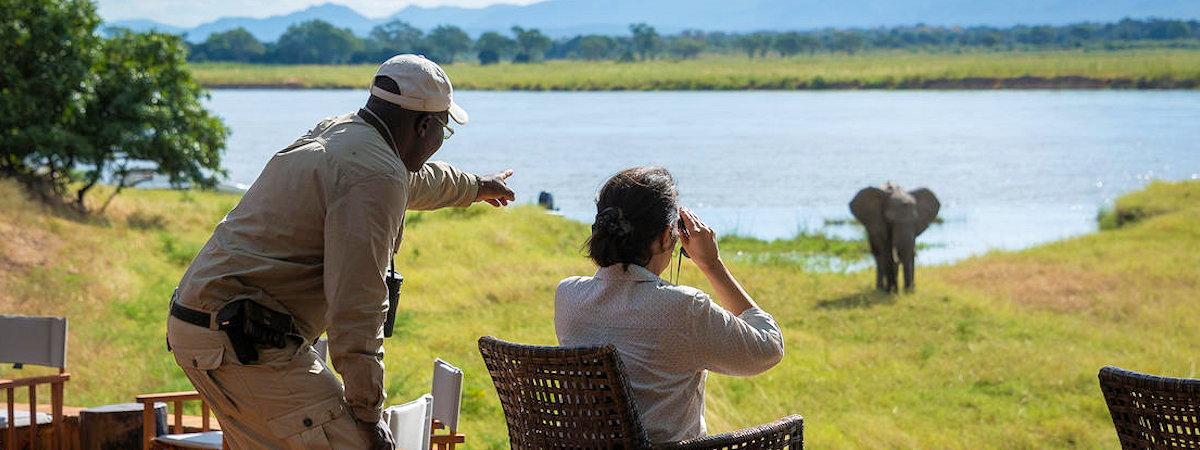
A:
<point x="1152" y="68"/>
<point x="1000" y="350"/>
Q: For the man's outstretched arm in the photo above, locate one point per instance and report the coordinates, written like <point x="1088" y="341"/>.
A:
<point x="440" y="185"/>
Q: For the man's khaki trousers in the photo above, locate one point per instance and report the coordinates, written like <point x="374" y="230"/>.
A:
<point x="289" y="400"/>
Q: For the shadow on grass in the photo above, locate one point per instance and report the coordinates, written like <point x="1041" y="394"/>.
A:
<point x="867" y="298"/>
<point x="55" y="202"/>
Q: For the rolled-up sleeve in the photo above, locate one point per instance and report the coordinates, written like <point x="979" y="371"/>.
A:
<point x="360" y="227"/>
<point x="743" y="345"/>
<point x="440" y="185"/>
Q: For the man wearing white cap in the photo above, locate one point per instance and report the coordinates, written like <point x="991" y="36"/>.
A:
<point x="304" y="253"/>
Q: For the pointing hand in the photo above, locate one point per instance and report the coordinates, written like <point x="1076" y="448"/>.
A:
<point x="494" y="190"/>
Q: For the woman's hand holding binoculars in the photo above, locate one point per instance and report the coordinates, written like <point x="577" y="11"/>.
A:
<point x="699" y="241"/>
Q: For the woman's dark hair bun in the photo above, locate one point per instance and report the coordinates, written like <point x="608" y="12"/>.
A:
<point x="612" y="221"/>
<point x="632" y="210"/>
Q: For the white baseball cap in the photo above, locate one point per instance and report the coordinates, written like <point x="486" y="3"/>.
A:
<point x="423" y="86"/>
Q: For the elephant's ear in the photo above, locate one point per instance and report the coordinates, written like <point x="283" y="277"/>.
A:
<point x="867" y="206"/>
<point x="927" y="208"/>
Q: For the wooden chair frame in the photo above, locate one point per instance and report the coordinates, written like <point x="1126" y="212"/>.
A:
<point x="444" y="441"/>
<point x="175" y="400"/>
<point x="56" y="383"/>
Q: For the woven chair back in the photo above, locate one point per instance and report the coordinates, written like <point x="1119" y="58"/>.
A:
<point x="562" y="398"/>
<point x="1152" y="412"/>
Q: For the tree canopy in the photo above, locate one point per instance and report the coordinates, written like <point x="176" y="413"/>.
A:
<point x="391" y="39"/>
<point x="492" y="46"/>
<point x="646" y="41"/>
<point x="531" y="43"/>
<point x="446" y="43"/>
<point x="233" y="45"/>
<point x="316" y="42"/>
<point x="77" y="109"/>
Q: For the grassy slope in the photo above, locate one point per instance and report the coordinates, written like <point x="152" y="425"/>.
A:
<point x="873" y="70"/>
<point x="997" y="351"/>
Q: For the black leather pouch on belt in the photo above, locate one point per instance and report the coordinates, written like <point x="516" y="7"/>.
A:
<point x="393" y="280"/>
<point x="249" y="325"/>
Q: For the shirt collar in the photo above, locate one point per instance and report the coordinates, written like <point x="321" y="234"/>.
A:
<point x="634" y="273"/>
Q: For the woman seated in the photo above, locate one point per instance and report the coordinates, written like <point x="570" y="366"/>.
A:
<point x="667" y="336"/>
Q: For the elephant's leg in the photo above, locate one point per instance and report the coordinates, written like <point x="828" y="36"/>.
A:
<point x="890" y="262"/>
<point x="893" y="271"/>
<point x="883" y="267"/>
<point x="906" y="253"/>
<point x="882" y="255"/>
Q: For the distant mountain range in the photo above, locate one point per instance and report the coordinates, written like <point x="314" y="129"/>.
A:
<point x="570" y="17"/>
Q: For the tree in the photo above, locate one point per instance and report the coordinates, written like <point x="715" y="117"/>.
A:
<point x="316" y="42"/>
<point x="78" y="109"/>
<point x="233" y="45"/>
<point x="1167" y="29"/>
<point x="754" y="44"/>
<point x="646" y="41"/>
<point x="48" y="50"/>
<point x="686" y="47"/>
<point x="848" y="41"/>
<point x="593" y="47"/>
<point x="765" y="43"/>
<point x="144" y="116"/>
<point x="390" y="39"/>
<point x="446" y="42"/>
<point x="492" y="46"/>
<point x="532" y="44"/>
<point x="788" y="44"/>
<point x="397" y="36"/>
<point x="1039" y="35"/>
<point x="809" y="43"/>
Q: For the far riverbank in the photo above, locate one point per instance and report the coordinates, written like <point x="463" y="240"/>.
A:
<point x="1125" y="69"/>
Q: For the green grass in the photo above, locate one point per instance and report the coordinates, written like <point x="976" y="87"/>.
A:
<point x="886" y="70"/>
<point x="998" y="351"/>
<point x="809" y="250"/>
<point x="1158" y="198"/>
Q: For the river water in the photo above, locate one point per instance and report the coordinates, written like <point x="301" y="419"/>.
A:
<point x="1012" y="168"/>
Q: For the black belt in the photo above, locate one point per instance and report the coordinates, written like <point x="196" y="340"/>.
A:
<point x="189" y="315"/>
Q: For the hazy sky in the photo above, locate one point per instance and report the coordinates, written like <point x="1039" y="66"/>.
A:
<point x="189" y="13"/>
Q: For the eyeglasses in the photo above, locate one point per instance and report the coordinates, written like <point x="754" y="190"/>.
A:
<point x="449" y="131"/>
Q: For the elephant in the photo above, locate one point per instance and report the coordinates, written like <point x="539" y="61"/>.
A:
<point x="893" y="219"/>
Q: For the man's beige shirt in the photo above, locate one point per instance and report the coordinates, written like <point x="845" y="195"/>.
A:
<point x="313" y="237"/>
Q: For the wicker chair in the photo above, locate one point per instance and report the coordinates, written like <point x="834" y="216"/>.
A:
<point x="1152" y="412"/>
<point x="578" y="398"/>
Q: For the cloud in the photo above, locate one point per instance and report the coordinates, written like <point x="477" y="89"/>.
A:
<point x="189" y="13"/>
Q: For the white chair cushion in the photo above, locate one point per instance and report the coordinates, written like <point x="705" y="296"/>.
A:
<point x="447" y="393"/>
<point x="410" y="423"/>
<point x="22" y="418"/>
<point x="207" y="440"/>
